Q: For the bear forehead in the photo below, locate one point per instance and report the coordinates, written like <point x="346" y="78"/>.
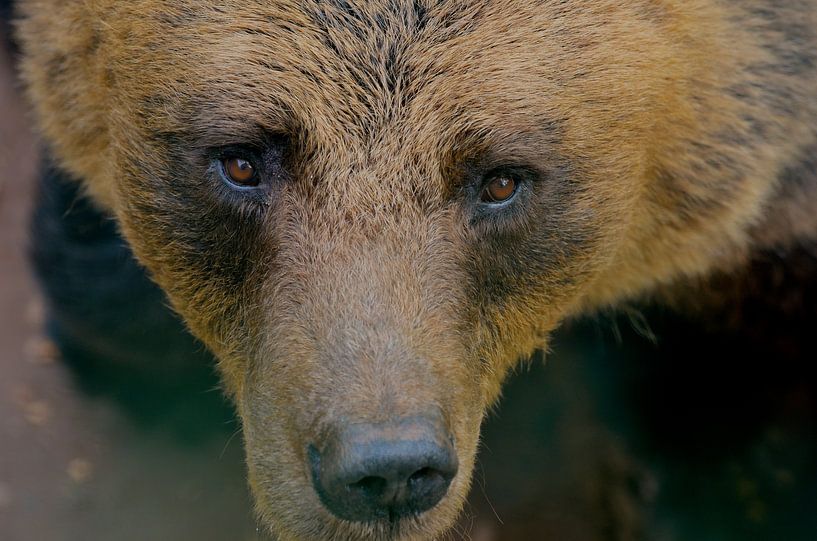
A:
<point x="347" y="72"/>
<point x="389" y="85"/>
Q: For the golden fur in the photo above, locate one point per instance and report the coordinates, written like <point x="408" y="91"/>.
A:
<point x="365" y="286"/>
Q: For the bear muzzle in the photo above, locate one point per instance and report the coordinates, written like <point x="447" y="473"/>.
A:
<point x="384" y="471"/>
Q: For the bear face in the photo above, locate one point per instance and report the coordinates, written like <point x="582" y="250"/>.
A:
<point x="370" y="211"/>
<point x="363" y="278"/>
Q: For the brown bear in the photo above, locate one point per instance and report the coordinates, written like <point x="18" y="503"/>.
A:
<point x="370" y="210"/>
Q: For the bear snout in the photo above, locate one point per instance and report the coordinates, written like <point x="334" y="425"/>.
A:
<point x="384" y="471"/>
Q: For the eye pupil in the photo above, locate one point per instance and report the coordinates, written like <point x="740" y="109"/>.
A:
<point x="500" y="189"/>
<point x="240" y="171"/>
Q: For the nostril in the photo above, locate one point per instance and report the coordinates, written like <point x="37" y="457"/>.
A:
<point x="370" y="485"/>
<point x="427" y="482"/>
<point x="424" y="475"/>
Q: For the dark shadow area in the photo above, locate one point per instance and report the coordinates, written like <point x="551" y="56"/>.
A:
<point x="113" y="325"/>
<point x="6" y="10"/>
<point x="666" y="427"/>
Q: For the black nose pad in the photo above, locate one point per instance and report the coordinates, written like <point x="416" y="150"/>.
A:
<point x="384" y="471"/>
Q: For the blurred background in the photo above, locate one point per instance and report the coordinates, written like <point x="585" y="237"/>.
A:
<point x="639" y="425"/>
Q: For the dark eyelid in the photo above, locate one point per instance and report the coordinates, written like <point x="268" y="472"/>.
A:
<point x="247" y="152"/>
<point x="258" y="149"/>
<point x="521" y="172"/>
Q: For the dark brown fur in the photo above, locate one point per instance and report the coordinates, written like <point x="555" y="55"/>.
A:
<point x="661" y="138"/>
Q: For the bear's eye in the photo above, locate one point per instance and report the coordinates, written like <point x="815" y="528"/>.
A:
<point x="240" y="171"/>
<point x="499" y="189"/>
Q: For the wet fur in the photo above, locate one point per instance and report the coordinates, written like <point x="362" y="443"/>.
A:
<point x="665" y="140"/>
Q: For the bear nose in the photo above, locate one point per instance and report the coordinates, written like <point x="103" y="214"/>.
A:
<point x="384" y="471"/>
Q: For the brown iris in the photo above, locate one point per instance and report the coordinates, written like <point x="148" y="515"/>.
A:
<point x="240" y="171"/>
<point x="499" y="189"/>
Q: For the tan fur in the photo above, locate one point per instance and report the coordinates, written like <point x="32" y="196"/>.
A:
<point x="365" y="290"/>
